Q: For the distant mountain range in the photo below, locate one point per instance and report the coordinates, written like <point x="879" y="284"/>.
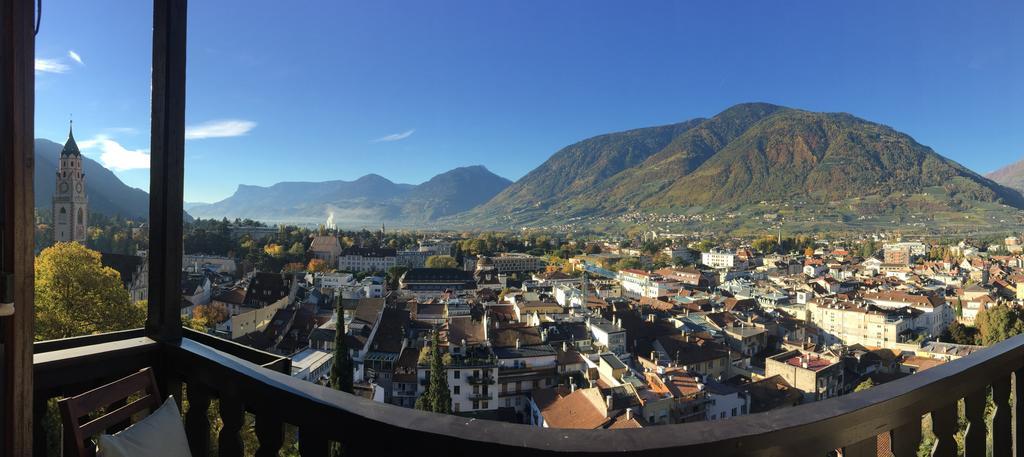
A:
<point x="749" y="154"/>
<point x="746" y="154"/>
<point x="1011" y="176"/>
<point x="107" y="194"/>
<point x="366" y="201"/>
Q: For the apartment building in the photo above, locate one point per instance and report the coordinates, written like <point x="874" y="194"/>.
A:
<point x="860" y="322"/>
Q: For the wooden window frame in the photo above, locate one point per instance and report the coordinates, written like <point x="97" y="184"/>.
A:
<point x="17" y="134"/>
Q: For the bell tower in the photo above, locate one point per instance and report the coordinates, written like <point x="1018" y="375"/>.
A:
<point x="70" y="204"/>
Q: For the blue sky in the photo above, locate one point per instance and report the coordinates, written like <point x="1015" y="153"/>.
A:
<point x="320" y="90"/>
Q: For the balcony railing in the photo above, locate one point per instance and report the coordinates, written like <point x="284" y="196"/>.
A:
<point x="481" y="396"/>
<point x="249" y="381"/>
<point x="480" y="380"/>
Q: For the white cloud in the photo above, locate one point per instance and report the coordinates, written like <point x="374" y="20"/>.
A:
<point x="50" y="66"/>
<point x="114" y="156"/>
<point x="74" y="56"/>
<point x="219" y="129"/>
<point x="395" y="136"/>
<point x="124" y="130"/>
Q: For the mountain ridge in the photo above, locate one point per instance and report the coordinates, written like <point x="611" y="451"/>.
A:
<point x="748" y="153"/>
<point x="1011" y="175"/>
<point x="371" y="198"/>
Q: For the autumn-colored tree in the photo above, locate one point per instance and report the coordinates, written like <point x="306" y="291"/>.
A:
<point x="441" y="261"/>
<point x="318" y="266"/>
<point x="207" y="316"/>
<point x="76" y="295"/>
<point x="293" y="267"/>
<point x="274" y="250"/>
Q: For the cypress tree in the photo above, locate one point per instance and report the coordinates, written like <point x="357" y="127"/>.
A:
<point x="341" y="369"/>
<point x="440" y="397"/>
<point x="436" y="398"/>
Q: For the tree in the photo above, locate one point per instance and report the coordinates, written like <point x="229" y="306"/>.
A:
<point x="394" y="275"/>
<point x="207" y="316"/>
<point x="441" y="261"/>
<point x="341" y="369"/>
<point x="864" y="385"/>
<point x="318" y="266"/>
<point x="297" y="249"/>
<point x="76" y="295"/>
<point x="959" y="333"/>
<point x="437" y="398"/>
<point x="998" y="323"/>
<point x="704" y="245"/>
<point x="662" y="260"/>
<point x="765" y="244"/>
<point x="293" y="267"/>
<point x="627" y="263"/>
<point x="274" y="250"/>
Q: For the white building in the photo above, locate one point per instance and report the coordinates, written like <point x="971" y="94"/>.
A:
<point x="511" y="262"/>
<point x="312" y="365"/>
<point x="568" y="296"/>
<point x="719" y="259"/>
<point x="609" y="335"/>
<point x="216" y="264"/>
<point x="725" y="401"/>
<point x="367" y="259"/>
<point x="332" y="280"/>
<point x="678" y="252"/>
<point x="639" y="283"/>
<point x="849" y="323"/>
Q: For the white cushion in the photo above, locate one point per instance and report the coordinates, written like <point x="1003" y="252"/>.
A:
<point x="160" y="434"/>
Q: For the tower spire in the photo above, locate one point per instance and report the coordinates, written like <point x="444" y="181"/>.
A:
<point x="70" y="147"/>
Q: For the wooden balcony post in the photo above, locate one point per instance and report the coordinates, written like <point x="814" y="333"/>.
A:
<point x="17" y="131"/>
<point x="167" y="170"/>
<point x="1018" y="409"/>
<point x="1001" y="434"/>
<point x="944" y="427"/>
<point x="974" y="410"/>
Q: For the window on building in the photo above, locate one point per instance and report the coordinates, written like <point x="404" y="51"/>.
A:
<point x="457" y="390"/>
<point x="476" y="404"/>
<point x="458" y="374"/>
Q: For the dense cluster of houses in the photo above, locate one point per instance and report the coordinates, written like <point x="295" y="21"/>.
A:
<point x="735" y="333"/>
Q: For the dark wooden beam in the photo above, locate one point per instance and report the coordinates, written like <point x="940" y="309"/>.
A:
<point x="167" y="170"/>
<point x="17" y="131"/>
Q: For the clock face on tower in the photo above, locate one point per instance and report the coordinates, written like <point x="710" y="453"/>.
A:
<point x="78" y="188"/>
<point x="63" y="187"/>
